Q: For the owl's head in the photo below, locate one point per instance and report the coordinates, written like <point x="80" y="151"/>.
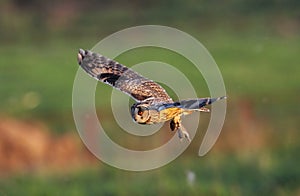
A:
<point x="140" y="113"/>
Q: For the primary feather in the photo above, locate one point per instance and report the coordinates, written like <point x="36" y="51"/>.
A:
<point x="121" y="77"/>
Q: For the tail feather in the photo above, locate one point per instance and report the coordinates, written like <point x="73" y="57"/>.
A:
<point x="196" y="104"/>
<point x="217" y="99"/>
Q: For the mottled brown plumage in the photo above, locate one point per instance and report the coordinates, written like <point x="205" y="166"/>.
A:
<point x="121" y="77"/>
<point x="153" y="104"/>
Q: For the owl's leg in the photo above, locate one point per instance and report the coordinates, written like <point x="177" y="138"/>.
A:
<point x="176" y="125"/>
<point x="183" y="133"/>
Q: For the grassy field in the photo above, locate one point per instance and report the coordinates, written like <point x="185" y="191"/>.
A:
<point x="265" y="173"/>
<point x="256" y="153"/>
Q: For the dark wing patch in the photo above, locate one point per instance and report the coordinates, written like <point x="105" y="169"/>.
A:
<point x="121" y="77"/>
<point x="110" y="78"/>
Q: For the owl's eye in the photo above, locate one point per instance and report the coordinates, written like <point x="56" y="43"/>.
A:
<point x="140" y="111"/>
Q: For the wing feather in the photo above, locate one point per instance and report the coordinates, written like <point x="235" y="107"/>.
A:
<point x="121" y="77"/>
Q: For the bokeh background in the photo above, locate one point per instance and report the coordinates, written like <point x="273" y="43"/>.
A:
<point x="256" y="45"/>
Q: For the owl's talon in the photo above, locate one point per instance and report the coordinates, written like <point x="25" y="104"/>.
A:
<point x="180" y="134"/>
<point x="183" y="134"/>
<point x="186" y="135"/>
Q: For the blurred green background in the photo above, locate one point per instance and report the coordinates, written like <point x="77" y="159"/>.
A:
<point x="256" y="45"/>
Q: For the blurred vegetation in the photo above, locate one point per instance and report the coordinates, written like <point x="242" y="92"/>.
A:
<point x="254" y="42"/>
<point x="218" y="174"/>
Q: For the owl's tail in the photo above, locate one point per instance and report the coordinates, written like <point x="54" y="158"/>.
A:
<point x="199" y="104"/>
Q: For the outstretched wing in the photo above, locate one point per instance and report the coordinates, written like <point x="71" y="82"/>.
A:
<point x="121" y="77"/>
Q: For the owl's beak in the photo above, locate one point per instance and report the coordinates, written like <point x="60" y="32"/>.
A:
<point x="80" y="56"/>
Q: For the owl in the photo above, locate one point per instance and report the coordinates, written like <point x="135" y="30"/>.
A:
<point x="153" y="104"/>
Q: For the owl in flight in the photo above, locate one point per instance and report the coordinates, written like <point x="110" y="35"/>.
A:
<point x="153" y="104"/>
